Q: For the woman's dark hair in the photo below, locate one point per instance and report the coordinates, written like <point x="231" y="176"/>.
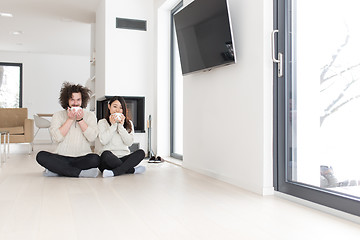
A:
<point x="127" y="124"/>
<point x="66" y="93"/>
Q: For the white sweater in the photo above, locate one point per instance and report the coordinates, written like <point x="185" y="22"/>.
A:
<point x="76" y="142"/>
<point x="115" y="138"/>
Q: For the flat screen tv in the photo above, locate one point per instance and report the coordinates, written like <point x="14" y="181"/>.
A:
<point x="204" y="35"/>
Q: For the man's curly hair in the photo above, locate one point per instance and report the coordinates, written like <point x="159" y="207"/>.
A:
<point x="68" y="89"/>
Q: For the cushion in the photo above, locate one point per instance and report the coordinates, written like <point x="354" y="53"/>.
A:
<point x="13" y="130"/>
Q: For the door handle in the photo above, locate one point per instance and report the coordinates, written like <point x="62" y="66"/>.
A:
<point x="280" y="55"/>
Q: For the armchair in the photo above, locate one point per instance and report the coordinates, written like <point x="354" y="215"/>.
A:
<point x="15" y="120"/>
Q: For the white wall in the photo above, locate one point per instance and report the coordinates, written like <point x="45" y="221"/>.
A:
<point x="43" y="75"/>
<point x="127" y="56"/>
<point x="100" y="46"/>
<point x="236" y="146"/>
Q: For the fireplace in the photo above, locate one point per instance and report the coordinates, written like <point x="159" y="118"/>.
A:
<point x="135" y="107"/>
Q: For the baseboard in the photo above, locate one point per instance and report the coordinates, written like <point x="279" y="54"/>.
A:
<point x="319" y="207"/>
<point x="260" y="190"/>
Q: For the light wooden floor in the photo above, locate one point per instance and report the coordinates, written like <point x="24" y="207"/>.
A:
<point x="166" y="202"/>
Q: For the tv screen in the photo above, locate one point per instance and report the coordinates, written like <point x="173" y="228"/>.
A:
<point x="204" y="35"/>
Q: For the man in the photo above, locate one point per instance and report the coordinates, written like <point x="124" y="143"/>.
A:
<point x="73" y="129"/>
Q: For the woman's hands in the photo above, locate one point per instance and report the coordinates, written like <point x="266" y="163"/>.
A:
<point x="112" y="118"/>
<point x="120" y="118"/>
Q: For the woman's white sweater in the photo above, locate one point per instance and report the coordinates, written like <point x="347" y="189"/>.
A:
<point x="115" y="138"/>
<point x="76" y="142"/>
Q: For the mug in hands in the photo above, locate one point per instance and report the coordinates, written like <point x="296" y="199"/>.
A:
<point x="75" y="109"/>
<point x="118" y="116"/>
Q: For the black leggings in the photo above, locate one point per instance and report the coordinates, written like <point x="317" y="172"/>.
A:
<point x="67" y="166"/>
<point x="121" y="165"/>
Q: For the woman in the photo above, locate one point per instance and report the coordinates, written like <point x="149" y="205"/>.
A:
<point x="116" y="134"/>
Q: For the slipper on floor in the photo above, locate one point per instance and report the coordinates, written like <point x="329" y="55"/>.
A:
<point x="159" y="159"/>
<point x="152" y="159"/>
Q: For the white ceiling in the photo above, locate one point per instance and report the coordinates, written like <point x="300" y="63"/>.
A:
<point x="48" y="26"/>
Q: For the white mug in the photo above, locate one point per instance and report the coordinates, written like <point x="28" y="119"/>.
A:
<point x="76" y="109"/>
<point x="117" y="116"/>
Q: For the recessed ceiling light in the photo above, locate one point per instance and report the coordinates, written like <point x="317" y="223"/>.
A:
<point x="16" y="32"/>
<point x="2" y="14"/>
<point x="66" y="20"/>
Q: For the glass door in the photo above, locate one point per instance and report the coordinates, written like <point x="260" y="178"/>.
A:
<point x="317" y="105"/>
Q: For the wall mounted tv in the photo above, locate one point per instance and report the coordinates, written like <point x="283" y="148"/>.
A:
<point x="204" y="35"/>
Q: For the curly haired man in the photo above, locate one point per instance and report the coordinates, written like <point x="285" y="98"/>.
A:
<point x="73" y="128"/>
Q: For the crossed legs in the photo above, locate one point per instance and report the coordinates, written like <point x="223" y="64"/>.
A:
<point x="122" y="165"/>
<point x="83" y="166"/>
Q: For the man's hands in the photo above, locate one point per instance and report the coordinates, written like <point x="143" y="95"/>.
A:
<point x="74" y="114"/>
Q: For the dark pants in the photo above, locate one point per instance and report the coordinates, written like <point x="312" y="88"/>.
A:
<point x="121" y="165"/>
<point x="67" y="166"/>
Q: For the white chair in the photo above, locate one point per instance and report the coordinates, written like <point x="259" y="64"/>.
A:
<point x="41" y="123"/>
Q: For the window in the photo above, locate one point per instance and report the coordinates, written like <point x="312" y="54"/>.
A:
<point x="176" y="94"/>
<point x="317" y="102"/>
<point x="10" y="85"/>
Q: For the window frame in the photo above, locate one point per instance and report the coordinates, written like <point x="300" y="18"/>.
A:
<point x="172" y="82"/>
<point x="281" y="91"/>
<point x="20" y="65"/>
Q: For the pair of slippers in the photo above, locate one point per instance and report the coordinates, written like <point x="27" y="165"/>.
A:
<point x="157" y="159"/>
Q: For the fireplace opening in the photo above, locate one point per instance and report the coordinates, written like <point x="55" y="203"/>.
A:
<point x="135" y="107"/>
